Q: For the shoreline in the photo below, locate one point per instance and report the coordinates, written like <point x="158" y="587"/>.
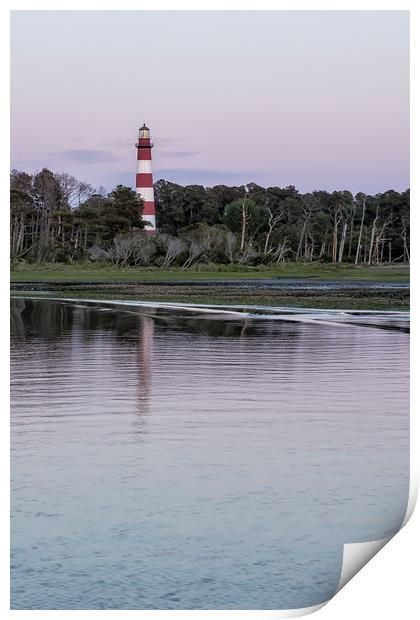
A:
<point x="371" y="296"/>
<point x="242" y="310"/>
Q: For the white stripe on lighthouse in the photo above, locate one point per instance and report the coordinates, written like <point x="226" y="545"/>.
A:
<point x="146" y="193"/>
<point x="152" y="220"/>
<point x="144" y="166"/>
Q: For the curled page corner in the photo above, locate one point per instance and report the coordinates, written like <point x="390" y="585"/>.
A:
<point x="356" y="556"/>
<point x="263" y="614"/>
<point x="412" y="498"/>
<point x="298" y="613"/>
<point x="295" y="613"/>
<point x="252" y="614"/>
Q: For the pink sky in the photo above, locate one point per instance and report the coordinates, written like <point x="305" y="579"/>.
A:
<point x="317" y="99"/>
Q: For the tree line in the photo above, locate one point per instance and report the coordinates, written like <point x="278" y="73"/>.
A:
<point x="57" y="218"/>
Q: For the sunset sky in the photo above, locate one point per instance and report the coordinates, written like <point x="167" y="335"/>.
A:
<point x="319" y="100"/>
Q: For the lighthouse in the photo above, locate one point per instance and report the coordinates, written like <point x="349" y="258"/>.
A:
<point x="144" y="178"/>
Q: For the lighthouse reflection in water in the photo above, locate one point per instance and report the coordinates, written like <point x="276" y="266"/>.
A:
<point x="168" y="461"/>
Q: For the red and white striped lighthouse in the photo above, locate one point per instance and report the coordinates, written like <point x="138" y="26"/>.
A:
<point x="144" y="178"/>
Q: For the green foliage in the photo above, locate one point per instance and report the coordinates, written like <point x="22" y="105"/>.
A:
<point x="232" y="216"/>
<point x="55" y="217"/>
<point x="45" y="224"/>
<point x="106" y="217"/>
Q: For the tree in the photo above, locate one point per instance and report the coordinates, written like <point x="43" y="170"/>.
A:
<point x="172" y="247"/>
<point x="169" y="204"/>
<point x="276" y="203"/>
<point x="244" y="217"/>
<point x="273" y="220"/>
<point x="118" y="213"/>
<point x="203" y="242"/>
<point x="73" y="192"/>
<point x="309" y="206"/>
<point x="47" y="195"/>
<point x="132" y="249"/>
<point x="21" y="211"/>
<point x="360" y="199"/>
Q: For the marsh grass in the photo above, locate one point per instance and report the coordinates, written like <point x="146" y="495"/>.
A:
<point x="96" y="272"/>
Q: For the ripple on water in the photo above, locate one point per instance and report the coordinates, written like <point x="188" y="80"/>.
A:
<point x="171" y="462"/>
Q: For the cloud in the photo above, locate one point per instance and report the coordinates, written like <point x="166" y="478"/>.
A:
<point x="178" y="153"/>
<point x="118" y="143"/>
<point x="85" y="156"/>
<point x="164" y="140"/>
<point x="186" y="176"/>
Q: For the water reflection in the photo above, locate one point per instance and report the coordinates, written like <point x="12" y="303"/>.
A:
<point x="145" y="348"/>
<point x="166" y="461"/>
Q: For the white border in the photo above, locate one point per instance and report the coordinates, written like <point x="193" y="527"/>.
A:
<point x="387" y="586"/>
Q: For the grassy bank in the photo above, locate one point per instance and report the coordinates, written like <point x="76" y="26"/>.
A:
<point x="107" y="273"/>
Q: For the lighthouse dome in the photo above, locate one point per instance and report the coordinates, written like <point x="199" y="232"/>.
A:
<point x="144" y="132"/>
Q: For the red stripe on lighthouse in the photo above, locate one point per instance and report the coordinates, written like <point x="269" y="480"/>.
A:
<point x="148" y="207"/>
<point x="144" y="180"/>
<point x="144" y="153"/>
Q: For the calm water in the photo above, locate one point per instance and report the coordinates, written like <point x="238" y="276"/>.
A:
<point x="167" y="460"/>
